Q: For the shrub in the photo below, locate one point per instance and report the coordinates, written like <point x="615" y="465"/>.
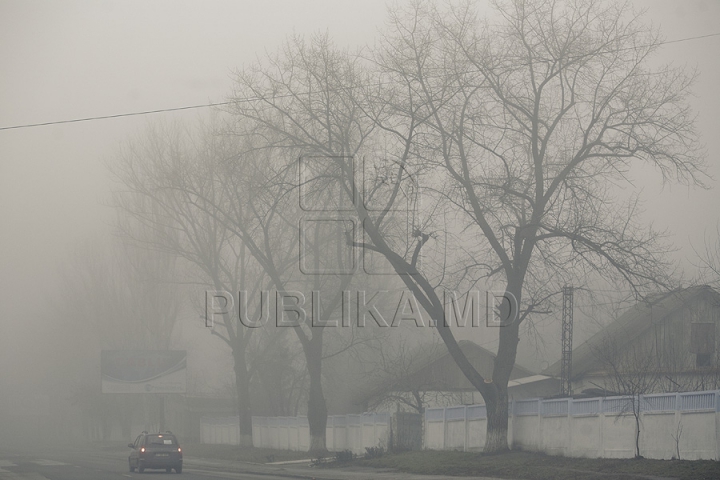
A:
<point x="344" y="456"/>
<point x="374" y="452"/>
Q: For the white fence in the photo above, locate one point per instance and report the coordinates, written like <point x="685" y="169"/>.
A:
<point x="594" y="427"/>
<point x="225" y="430"/>
<point x="343" y="432"/>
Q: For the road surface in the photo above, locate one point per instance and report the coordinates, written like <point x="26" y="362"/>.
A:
<point x="111" y="464"/>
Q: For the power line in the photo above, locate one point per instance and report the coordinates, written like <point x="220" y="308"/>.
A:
<point x="117" y="115"/>
<point x="242" y="100"/>
<point x="690" y="38"/>
<point x="145" y="112"/>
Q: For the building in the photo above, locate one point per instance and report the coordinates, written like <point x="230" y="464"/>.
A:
<point x="436" y="381"/>
<point x="667" y="343"/>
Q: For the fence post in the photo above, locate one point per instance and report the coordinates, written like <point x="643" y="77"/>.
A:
<point x="511" y="421"/>
<point x="266" y="432"/>
<point x="287" y="429"/>
<point x="570" y="425"/>
<point x="717" y="424"/>
<point x="678" y="411"/>
<point x="465" y="440"/>
<point x="601" y="417"/>
<point x="375" y="436"/>
<point x="444" y="427"/>
<point x="541" y="423"/>
<point x="424" y="426"/>
<point x="331" y="424"/>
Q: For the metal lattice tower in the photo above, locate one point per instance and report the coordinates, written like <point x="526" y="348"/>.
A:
<point x="567" y="328"/>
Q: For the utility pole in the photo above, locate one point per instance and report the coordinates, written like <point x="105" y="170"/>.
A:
<point x="567" y="328"/>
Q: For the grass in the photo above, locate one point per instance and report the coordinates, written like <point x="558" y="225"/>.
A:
<point x="244" y="454"/>
<point x="516" y="465"/>
<point x="533" y="466"/>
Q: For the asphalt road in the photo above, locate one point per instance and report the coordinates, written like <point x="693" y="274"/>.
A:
<point x="74" y="464"/>
<point x="77" y="463"/>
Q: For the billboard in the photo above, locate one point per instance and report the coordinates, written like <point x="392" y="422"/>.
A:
<point x="143" y="371"/>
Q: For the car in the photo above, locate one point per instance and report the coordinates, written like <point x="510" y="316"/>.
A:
<point x="155" y="450"/>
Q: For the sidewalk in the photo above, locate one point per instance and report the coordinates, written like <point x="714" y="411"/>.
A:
<point x="306" y="471"/>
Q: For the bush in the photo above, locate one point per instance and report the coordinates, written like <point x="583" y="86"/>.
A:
<point x="399" y="449"/>
<point x="344" y="456"/>
<point x="374" y="452"/>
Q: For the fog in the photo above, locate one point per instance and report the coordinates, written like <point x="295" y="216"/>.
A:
<point x="59" y="240"/>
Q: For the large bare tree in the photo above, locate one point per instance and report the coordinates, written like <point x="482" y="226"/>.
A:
<point x="263" y="214"/>
<point x="522" y="131"/>
<point x="170" y="188"/>
<point x="535" y="119"/>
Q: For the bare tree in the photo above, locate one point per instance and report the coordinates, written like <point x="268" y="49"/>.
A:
<point x="395" y="369"/>
<point x="519" y="129"/>
<point x="533" y="120"/>
<point x="709" y="260"/>
<point x="231" y="210"/>
<point x="169" y="187"/>
<point x="278" y="374"/>
<point x="264" y="217"/>
<point x="676" y="437"/>
<point x="632" y="370"/>
<point x="315" y="121"/>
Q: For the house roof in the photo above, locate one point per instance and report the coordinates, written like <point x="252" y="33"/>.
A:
<point x="528" y="380"/>
<point x="631" y="324"/>
<point x="438" y="372"/>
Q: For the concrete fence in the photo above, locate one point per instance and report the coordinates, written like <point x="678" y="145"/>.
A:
<point x="222" y="430"/>
<point x="343" y="432"/>
<point x="594" y="427"/>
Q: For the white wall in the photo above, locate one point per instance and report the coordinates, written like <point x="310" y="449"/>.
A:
<point x="343" y="432"/>
<point x="600" y="427"/>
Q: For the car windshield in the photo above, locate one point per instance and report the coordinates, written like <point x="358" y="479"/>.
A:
<point x="161" y="440"/>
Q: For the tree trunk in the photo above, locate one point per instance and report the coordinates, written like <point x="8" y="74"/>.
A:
<point x="497" y="424"/>
<point x="242" y="387"/>
<point x="497" y="412"/>
<point x="317" y="408"/>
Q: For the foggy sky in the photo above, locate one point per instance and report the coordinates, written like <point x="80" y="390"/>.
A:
<point x="73" y="59"/>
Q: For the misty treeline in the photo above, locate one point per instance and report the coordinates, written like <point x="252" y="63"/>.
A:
<point x="113" y="296"/>
<point x="457" y="152"/>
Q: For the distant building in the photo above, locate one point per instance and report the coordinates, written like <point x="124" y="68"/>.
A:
<point x="437" y="381"/>
<point x="184" y="412"/>
<point x="668" y="343"/>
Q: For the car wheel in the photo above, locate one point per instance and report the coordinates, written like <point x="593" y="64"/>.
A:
<point x="132" y="469"/>
<point x="178" y="469"/>
<point x="141" y="469"/>
<point x="168" y="470"/>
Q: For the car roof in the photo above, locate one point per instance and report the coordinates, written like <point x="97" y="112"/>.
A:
<point x="161" y="434"/>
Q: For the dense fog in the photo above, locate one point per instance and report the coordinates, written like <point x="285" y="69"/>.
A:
<point x="114" y="230"/>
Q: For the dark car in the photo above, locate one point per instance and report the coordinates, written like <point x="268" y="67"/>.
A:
<point x="155" y="450"/>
